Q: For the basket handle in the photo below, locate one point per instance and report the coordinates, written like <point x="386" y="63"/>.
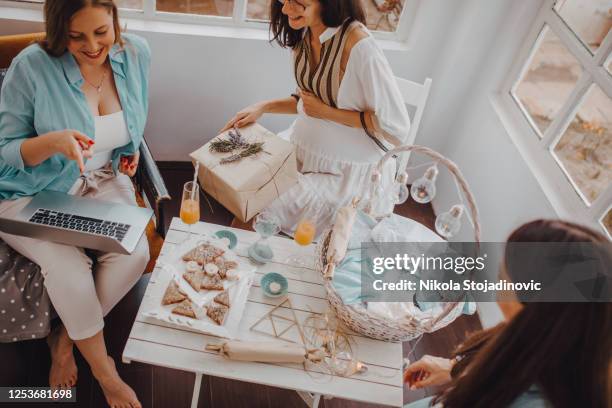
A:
<point x="451" y="166"/>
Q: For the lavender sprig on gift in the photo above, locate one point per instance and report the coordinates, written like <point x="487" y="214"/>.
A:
<point x="235" y="141"/>
<point x="236" y="136"/>
<point x="250" y="150"/>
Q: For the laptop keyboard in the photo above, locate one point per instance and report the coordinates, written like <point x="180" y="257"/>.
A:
<point x="79" y="223"/>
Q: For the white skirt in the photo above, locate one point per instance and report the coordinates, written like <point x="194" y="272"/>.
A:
<point x="335" y="164"/>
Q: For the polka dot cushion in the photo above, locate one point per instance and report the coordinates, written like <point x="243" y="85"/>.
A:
<point x="25" y="308"/>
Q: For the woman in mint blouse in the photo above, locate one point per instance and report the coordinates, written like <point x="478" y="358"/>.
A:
<point x="545" y="354"/>
<point x="86" y="85"/>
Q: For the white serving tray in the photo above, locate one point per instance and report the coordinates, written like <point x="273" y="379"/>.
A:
<point x="173" y="267"/>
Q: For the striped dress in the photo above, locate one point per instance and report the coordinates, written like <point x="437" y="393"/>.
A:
<point x="335" y="161"/>
<point x="324" y="79"/>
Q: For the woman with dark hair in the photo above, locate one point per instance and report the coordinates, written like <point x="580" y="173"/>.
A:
<point x="545" y="354"/>
<point x="349" y="108"/>
<point x="84" y="87"/>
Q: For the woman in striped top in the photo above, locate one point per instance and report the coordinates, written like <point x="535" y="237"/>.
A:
<point x="349" y="108"/>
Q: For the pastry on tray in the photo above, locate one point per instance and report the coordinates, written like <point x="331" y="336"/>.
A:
<point x="203" y="254"/>
<point x="212" y="282"/>
<point x="211" y="269"/>
<point x="173" y="294"/>
<point x="185" y="308"/>
<point x="217" y="312"/>
<point x="195" y="279"/>
<point x="224" y="266"/>
<point x="193" y="266"/>
<point x="223" y="298"/>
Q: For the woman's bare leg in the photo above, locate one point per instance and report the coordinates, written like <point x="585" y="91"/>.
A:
<point x="63" y="373"/>
<point x="118" y="394"/>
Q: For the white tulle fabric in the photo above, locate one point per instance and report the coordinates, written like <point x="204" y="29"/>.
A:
<point x="336" y="161"/>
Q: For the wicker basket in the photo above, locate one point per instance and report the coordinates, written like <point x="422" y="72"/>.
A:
<point x="357" y="317"/>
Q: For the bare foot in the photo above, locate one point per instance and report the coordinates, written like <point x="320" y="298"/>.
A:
<point x="118" y="394"/>
<point x="63" y="373"/>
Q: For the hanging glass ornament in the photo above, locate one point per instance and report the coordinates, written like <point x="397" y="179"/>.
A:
<point x="423" y="190"/>
<point x="448" y="224"/>
<point x="379" y="191"/>
<point x="375" y="191"/>
<point x="402" y="192"/>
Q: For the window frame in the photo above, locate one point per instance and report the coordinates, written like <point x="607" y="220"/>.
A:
<point x="538" y="152"/>
<point x="238" y="19"/>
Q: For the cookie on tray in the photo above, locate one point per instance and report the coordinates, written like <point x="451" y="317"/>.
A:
<point x="223" y="298"/>
<point x="217" y="312"/>
<point x="195" y="279"/>
<point x="185" y="308"/>
<point x="212" y="283"/>
<point x="203" y="254"/>
<point x="193" y="266"/>
<point x="173" y="294"/>
<point x="224" y="266"/>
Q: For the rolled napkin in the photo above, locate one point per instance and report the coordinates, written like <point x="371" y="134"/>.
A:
<point x="347" y="278"/>
<point x="266" y="352"/>
<point x="340" y="236"/>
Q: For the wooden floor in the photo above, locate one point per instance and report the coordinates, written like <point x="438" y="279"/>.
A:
<point x="27" y="363"/>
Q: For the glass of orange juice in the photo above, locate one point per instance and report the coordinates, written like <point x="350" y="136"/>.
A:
<point x="190" y="205"/>
<point x="305" y="233"/>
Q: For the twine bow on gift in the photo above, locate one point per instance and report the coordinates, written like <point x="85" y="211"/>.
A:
<point x="90" y="179"/>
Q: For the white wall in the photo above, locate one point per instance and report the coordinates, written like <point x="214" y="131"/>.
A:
<point x="506" y="191"/>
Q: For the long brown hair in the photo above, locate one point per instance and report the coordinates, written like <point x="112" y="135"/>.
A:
<point x="58" y="14"/>
<point x="333" y="14"/>
<point x="565" y="349"/>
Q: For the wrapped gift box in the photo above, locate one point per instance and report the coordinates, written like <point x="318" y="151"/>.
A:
<point x="248" y="185"/>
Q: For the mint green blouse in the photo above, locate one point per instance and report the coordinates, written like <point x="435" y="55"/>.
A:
<point x="41" y="93"/>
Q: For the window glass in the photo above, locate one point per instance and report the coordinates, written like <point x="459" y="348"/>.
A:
<point x="549" y="79"/>
<point x="585" y="149"/>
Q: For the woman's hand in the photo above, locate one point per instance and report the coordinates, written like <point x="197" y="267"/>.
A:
<point x="313" y="106"/>
<point x="248" y="115"/>
<point x="428" y="371"/>
<point x="129" y="164"/>
<point x="72" y="144"/>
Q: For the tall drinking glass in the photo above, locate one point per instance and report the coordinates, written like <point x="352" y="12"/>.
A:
<point x="190" y="205"/>
<point x="304" y="235"/>
<point x="266" y="225"/>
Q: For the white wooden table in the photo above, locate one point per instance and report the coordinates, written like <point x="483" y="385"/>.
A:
<point x="172" y="346"/>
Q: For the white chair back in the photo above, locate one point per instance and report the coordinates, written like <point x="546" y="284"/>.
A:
<point x="414" y="94"/>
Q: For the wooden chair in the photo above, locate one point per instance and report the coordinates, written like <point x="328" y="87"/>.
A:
<point x="413" y="94"/>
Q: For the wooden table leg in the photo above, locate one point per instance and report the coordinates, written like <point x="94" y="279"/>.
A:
<point x="196" y="390"/>
<point x="312" y="400"/>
